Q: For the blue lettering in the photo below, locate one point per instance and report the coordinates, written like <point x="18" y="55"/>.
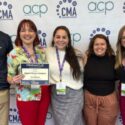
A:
<point x="43" y="42"/>
<point x="101" y="6"/>
<point x="27" y="9"/>
<point x="14" y="118"/>
<point x="92" y="6"/>
<point x="63" y="10"/>
<point x="109" y="6"/>
<point x="6" y="14"/>
<point x="43" y="8"/>
<point x="10" y="15"/>
<point x="74" y="11"/>
<point x="35" y="9"/>
<point x="69" y="12"/>
<point x="76" y="37"/>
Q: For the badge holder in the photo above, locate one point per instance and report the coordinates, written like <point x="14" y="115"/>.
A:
<point x="61" y="88"/>
<point x="122" y="89"/>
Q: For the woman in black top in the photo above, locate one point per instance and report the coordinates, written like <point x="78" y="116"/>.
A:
<point x="120" y="67"/>
<point x="101" y="105"/>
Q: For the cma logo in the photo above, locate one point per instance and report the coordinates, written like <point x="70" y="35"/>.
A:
<point x="76" y="37"/>
<point x="14" y="116"/>
<point x="42" y="37"/>
<point x="100" y="30"/>
<point x="124" y="7"/>
<point x="100" y="7"/>
<point x="36" y="9"/>
<point x="6" y="11"/>
<point x="67" y="9"/>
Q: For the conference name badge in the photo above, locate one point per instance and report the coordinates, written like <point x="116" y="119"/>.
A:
<point x="61" y="88"/>
<point x="122" y="89"/>
<point x="35" y="74"/>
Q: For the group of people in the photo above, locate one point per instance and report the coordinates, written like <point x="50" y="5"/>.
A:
<point x="81" y="86"/>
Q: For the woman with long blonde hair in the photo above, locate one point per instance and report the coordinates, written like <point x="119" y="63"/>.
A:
<point x="120" y="67"/>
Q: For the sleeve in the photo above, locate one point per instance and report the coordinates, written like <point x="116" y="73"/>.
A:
<point x="80" y="58"/>
<point x="117" y="74"/>
<point x="9" y="44"/>
<point x="12" y="63"/>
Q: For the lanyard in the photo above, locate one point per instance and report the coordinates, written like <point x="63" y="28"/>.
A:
<point x="28" y="55"/>
<point x="59" y="64"/>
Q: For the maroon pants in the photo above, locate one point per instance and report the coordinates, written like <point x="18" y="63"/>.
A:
<point x="122" y="105"/>
<point x="34" y="112"/>
<point x="122" y="108"/>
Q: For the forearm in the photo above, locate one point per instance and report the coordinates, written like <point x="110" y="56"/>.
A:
<point x="10" y="80"/>
<point x="15" y="79"/>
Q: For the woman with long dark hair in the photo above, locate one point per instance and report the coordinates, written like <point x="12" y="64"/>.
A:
<point x="65" y="77"/>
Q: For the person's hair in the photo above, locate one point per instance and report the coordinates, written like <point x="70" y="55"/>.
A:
<point x="18" y="41"/>
<point x="70" y="56"/>
<point x="109" y="50"/>
<point x="120" y="52"/>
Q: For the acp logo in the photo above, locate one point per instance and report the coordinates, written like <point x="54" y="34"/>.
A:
<point x="100" y="30"/>
<point x="42" y="37"/>
<point x="14" y="116"/>
<point x="6" y="11"/>
<point x="67" y="9"/>
<point x="76" y="37"/>
<point x="31" y="10"/>
<point x="100" y="7"/>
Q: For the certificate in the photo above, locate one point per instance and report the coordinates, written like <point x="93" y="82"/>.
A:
<point x="35" y="74"/>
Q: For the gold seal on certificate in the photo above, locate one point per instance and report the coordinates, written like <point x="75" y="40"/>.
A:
<point x="35" y="74"/>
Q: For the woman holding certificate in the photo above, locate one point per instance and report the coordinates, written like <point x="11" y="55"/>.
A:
<point x="32" y="100"/>
<point x="65" y="76"/>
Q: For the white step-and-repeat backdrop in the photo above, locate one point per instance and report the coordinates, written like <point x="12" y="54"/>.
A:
<point x="84" y="18"/>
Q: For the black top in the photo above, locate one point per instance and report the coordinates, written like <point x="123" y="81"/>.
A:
<point x="5" y="47"/>
<point x="121" y="74"/>
<point x="99" y="75"/>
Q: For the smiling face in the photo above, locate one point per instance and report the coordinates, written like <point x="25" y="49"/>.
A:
<point x="61" y="39"/>
<point x="27" y="35"/>
<point x="99" y="47"/>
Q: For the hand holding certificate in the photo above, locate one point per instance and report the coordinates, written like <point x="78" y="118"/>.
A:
<point x="35" y="74"/>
